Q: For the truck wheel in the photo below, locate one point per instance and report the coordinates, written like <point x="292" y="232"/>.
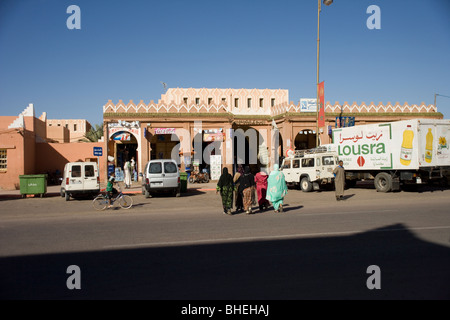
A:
<point x="306" y="185"/>
<point x="383" y="182"/>
<point x="443" y="182"/>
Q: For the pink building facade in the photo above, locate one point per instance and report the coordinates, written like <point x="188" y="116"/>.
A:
<point x="171" y="127"/>
<point x="25" y="149"/>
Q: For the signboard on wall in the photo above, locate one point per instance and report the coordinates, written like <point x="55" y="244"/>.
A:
<point x="216" y="167"/>
<point x="213" y="135"/>
<point x="98" y="151"/>
<point x="308" y="105"/>
<point x="133" y="128"/>
<point x="122" y="136"/>
<point x="165" y="130"/>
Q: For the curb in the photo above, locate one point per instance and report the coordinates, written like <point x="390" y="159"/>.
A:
<point x="57" y="194"/>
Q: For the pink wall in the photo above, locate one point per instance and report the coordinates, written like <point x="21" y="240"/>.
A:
<point x="60" y="134"/>
<point x="13" y="142"/>
<point x="54" y="156"/>
<point x="5" y="121"/>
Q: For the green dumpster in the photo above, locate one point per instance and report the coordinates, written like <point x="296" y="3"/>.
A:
<point x="183" y="181"/>
<point x="35" y="184"/>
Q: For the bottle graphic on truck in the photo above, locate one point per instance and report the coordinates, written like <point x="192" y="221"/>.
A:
<point x="429" y="147"/>
<point x="407" y="146"/>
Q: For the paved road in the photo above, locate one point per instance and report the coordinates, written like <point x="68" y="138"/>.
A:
<point x="185" y="248"/>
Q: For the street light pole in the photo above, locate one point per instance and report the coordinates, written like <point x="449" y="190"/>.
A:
<point x="319" y="9"/>
<point x="440" y="95"/>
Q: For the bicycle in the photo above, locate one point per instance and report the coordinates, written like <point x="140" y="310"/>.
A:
<point x="101" y="202"/>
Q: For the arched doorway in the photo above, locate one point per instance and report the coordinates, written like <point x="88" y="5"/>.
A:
<point x="123" y="146"/>
<point x="305" y="139"/>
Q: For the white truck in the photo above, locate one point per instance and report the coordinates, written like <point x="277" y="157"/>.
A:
<point x="395" y="154"/>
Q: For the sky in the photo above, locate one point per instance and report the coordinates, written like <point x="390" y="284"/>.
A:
<point x="125" y="49"/>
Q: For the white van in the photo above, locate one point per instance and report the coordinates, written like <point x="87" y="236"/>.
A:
<point x="161" y="175"/>
<point x="80" y="178"/>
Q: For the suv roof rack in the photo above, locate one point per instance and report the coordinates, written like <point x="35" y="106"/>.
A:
<point x="301" y="153"/>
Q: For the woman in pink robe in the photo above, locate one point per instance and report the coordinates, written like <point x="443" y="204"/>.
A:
<point x="261" y="188"/>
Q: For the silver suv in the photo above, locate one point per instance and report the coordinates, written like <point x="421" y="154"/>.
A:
<point x="161" y="176"/>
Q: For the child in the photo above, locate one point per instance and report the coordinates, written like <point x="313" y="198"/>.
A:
<point x="110" y="188"/>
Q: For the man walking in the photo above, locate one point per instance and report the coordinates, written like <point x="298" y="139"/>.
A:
<point x="339" y="180"/>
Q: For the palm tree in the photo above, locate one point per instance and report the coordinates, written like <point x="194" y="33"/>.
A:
<point x="94" y="134"/>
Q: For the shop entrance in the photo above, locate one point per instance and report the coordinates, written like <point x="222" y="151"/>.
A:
<point x="305" y="139"/>
<point x="165" y="146"/>
<point x="122" y="147"/>
<point x="203" y="160"/>
<point x="249" y="149"/>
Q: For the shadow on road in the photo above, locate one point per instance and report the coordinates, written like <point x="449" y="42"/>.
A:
<point x="348" y="196"/>
<point x="333" y="267"/>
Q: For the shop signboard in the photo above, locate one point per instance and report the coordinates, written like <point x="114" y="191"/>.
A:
<point x="122" y="136"/>
<point x="165" y="131"/>
<point x="216" y="167"/>
<point x="308" y="105"/>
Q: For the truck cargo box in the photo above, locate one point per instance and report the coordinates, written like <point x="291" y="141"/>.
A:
<point x="402" y="145"/>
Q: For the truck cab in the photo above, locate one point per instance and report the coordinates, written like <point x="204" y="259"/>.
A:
<point x="310" y="169"/>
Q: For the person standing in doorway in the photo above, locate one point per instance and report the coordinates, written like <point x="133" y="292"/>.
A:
<point x="339" y="180"/>
<point x="133" y="169"/>
<point x="276" y="188"/>
<point x="225" y="187"/>
<point x="261" y="188"/>
<point x="127" y="171"/>
<point x="246" y="187"/>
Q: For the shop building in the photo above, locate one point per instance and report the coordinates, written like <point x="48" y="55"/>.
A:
<point x="225" y="127"/>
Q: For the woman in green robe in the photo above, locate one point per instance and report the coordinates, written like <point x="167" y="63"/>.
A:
<point x="276" y="188"/>
<point x="226" y="188"/>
